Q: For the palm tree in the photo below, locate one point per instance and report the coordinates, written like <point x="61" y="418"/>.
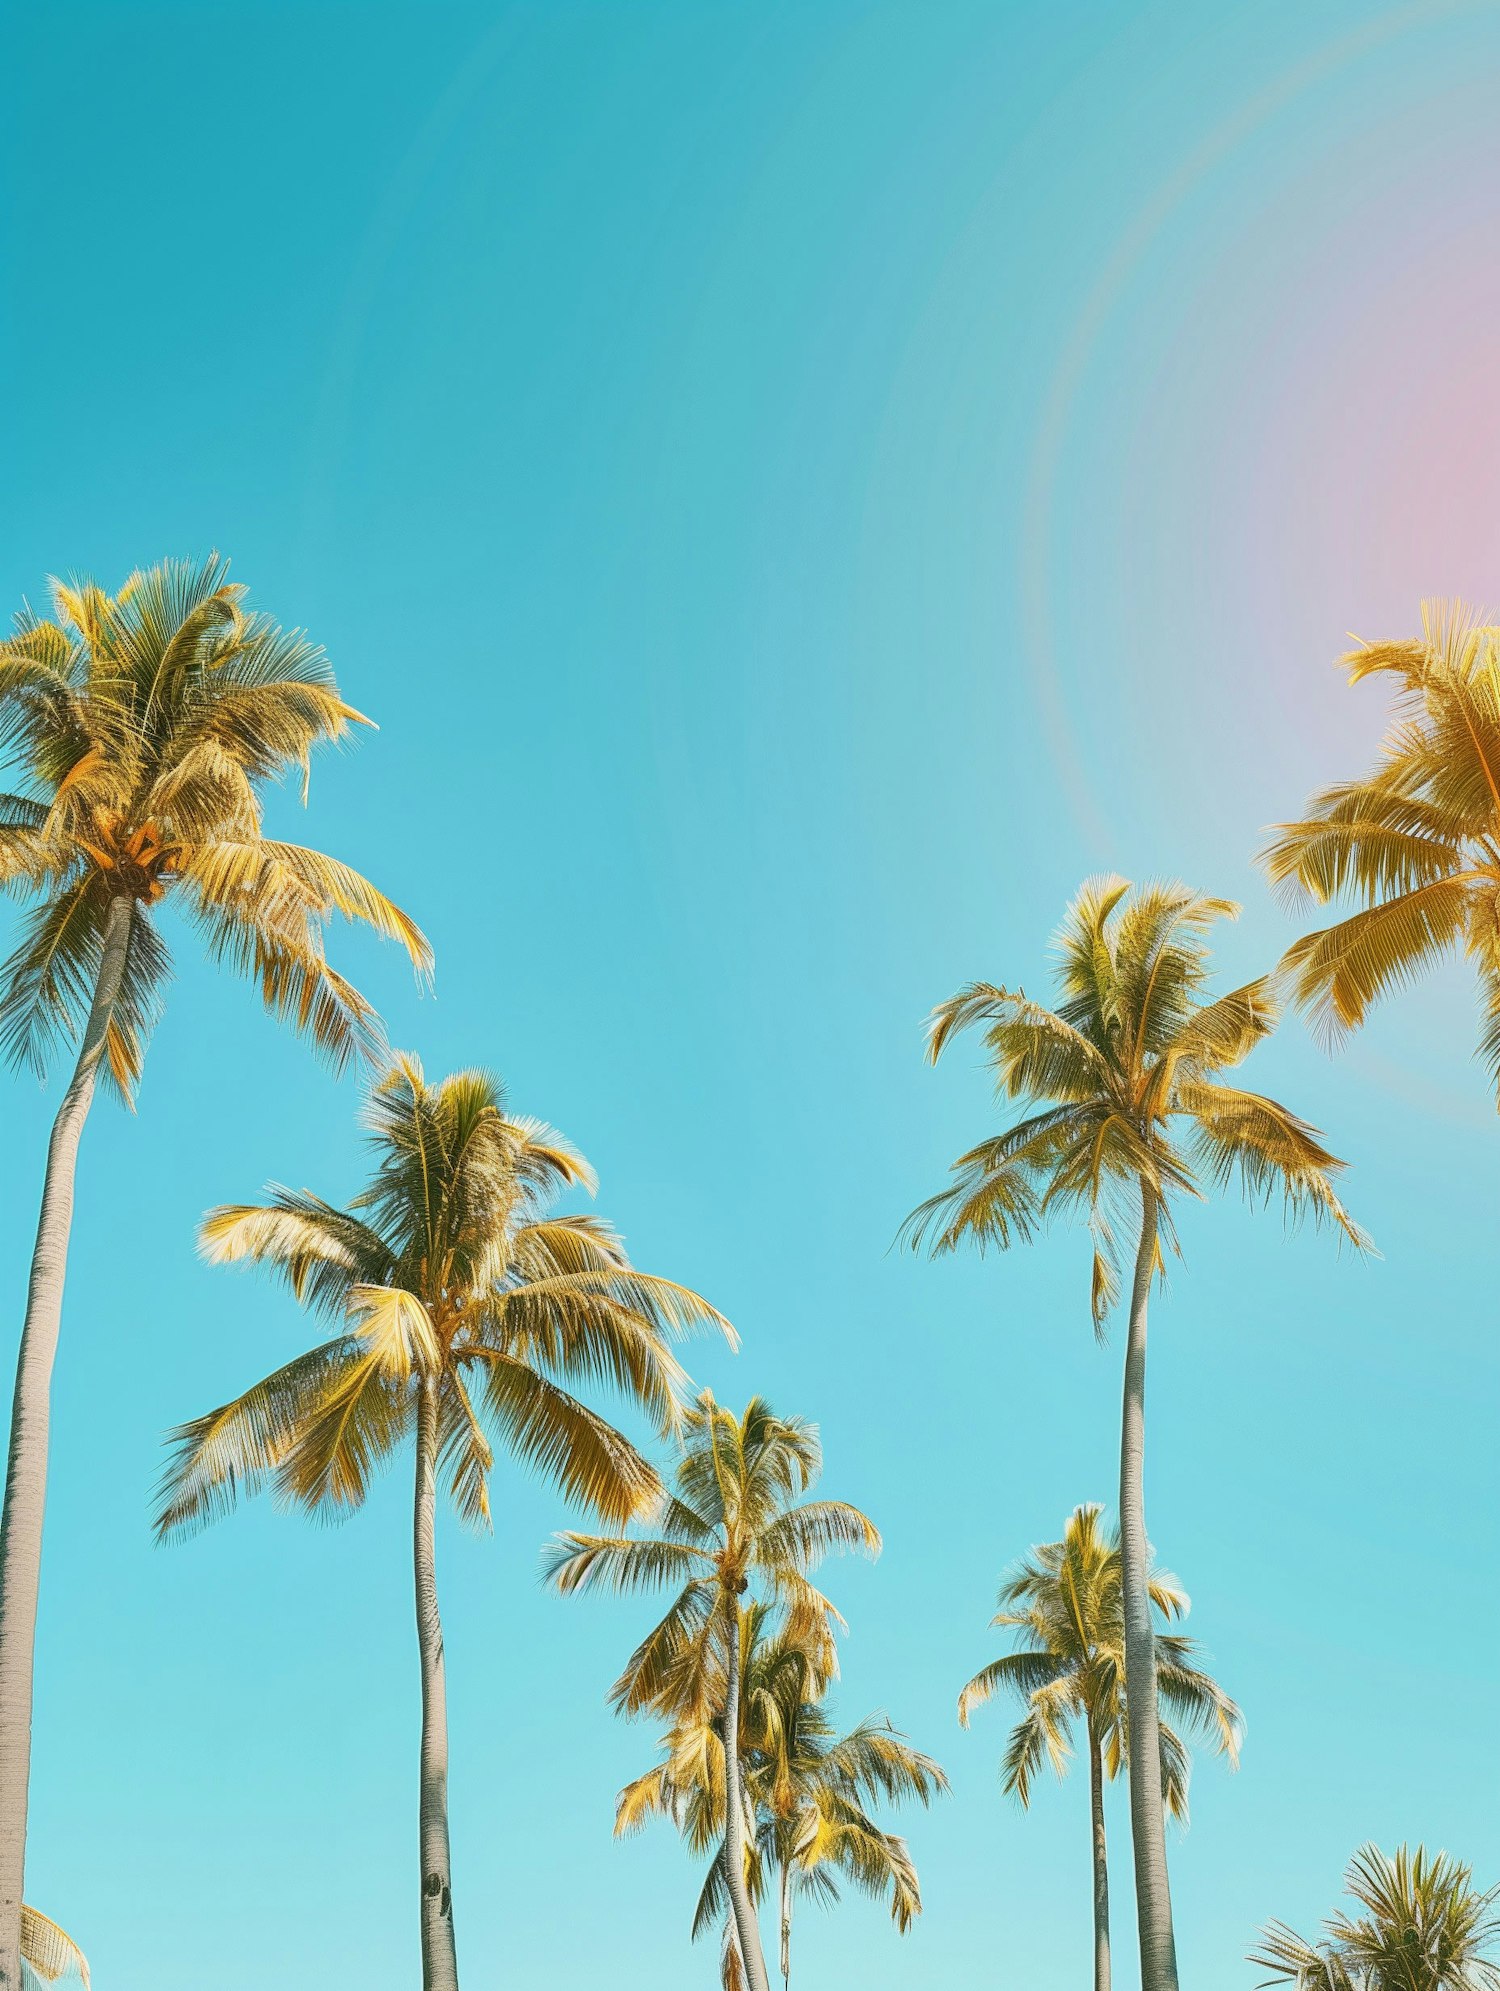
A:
<point x="463" y="1301"/>
<point x="735" y="1519"/>
<point x="1425" y="1928"/>
<point x="1417" y="840"/>
<point x="1064" y="1603"/>
<point x="141" y="730"/>
<point x="809" y="1792"/>
<point x="1132" y="1110"/>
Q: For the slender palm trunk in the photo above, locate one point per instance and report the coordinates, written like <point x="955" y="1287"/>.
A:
<point x="745" y="1925"/>
<point x="1153" y="1899"/>
<point x="786" y="1922"/>
<point x="26" y="1470"/>
<point x="1101" y="1863"/>
<point x="439" y="1955"/>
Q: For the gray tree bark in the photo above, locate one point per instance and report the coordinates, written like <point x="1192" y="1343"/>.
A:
<point x="26" y="1468"/>
<point x="745" y="1925"/>
<point x="1101" y="1863"/>
<point x="439" y="1952"/>
<point x="1153" y="1898"/>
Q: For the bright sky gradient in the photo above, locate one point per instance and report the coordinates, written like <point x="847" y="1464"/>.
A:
<point x="799" y="485"/>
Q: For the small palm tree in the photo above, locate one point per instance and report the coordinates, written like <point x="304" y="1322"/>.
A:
<point x="1064" y="1603"/>
<point x="465" y="1302"/>
<point x="141" y="730"/>
<point x="809" y="1793"/>
<point x="1132" y="1110"/>
<point x="734" y="1520"/>
<point x="1416" y="840"/>
<point x="1426" y="1927"/>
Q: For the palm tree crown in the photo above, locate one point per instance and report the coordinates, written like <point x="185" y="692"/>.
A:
<point x="1425" y="1927"/>
<point x="734" y="1520"/>
<point x="143" y="728"/>
<point x="1065" y="1605"/>
<point x="450" y="1270"/>
<point x="1417" y="839"/>
<point x="1127" y="1076"/>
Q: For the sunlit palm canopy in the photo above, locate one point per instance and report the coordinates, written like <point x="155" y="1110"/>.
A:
<point x="140" y="730"/>
<point x="734" y="1521"/>
<point x="453" y="1267"/>
<point x="810" y="1793"/>
<point x="1425" y="1927"/>
<point x="1065" y="1607"/>
<point x="1416" y="841"/>
<point x="1125" y="1079"/>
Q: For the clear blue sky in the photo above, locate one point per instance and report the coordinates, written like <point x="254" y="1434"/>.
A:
<point x="799" y="486"/>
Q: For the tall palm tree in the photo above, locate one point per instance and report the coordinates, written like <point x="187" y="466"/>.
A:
<point x="1426" y="1927"/>
<point x="1064" y="1603"/>
<point x="1132" y="1110"/>
<point x="464" y="1301"/>
<point x="735" y="1520"/>
<point x="809" y="1793"/>
<point x="141" y="730"/>
<point x="1416" y="840"/>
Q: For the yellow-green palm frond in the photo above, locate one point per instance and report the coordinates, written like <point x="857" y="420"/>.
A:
<point x="297" y="984"/>
<point x="875" y="1761"/>
<point x="1161" y="963"/>
<point x="838" y="1833"/>
<point x="620" y="1564"/>
<point x="1370" y="840"/>
<point x="235" y="1449"/>
<point x="346" y="1435"/>
<point x="610" y="1324"/>
<point x="1039" y="1739"/>
<point x="1339" y="971"/>
<point x="678" y="1667"/>
<point x="1273" y="1153"/>
<point x="1194" y="1698"/>
<point x="644" y="1798"/>
<point x="1450" y="646"/>
<point x="996" y="1194"/>
<point x="561" y="1438"/>
<point x="49" y="1952"/>
<point x="285" y="896"/>
<point x="810" y="1619"/>
<point x="1022" y="1673"/>
<point x="1219" y="1035"/>
<point x="465" y="1452"/>
<point x="801" y="1537"/>
<point x="319" y="1250"/>
<point x="396" y="1328"/>
<point x="1086" y="972"/>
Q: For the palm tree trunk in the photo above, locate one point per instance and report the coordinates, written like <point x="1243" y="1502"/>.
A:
<point x="786" y="1922"/>
<point x="1153" y="1899"/>
<point x="439" y="1955"/>
<point x="1101" y="1863"/>
<point x="745" y="1925"/>
<point x="26" y="1470"/>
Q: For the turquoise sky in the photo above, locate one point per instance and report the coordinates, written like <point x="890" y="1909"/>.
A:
<point x="799" y="486"/>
